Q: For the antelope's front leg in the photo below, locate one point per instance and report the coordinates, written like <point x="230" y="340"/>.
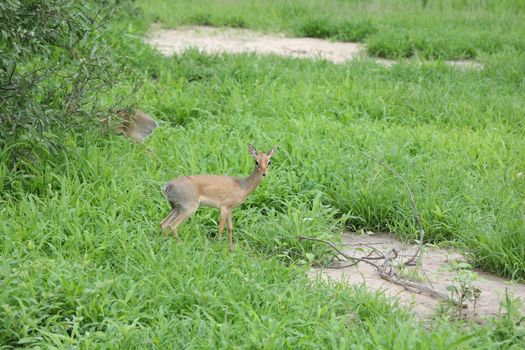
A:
<point x="230" y="231"/>
<point x="222" y="221"/>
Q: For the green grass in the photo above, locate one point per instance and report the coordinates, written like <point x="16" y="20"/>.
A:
<point x="446" y="29"/>
<point x="454" y="135"/>
<point x="83" y="263"/>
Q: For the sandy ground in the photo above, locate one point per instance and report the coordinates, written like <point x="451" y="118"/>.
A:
<point x="492" y="287"/>
<point x="233" y="40"/>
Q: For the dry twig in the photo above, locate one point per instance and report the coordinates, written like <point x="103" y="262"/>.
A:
<point x="412" y="260"/>
<point x="386" y="270"/>
<point x="356" y="259"/>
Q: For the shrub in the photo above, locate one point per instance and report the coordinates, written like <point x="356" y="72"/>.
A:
<point x="55" y="67"/>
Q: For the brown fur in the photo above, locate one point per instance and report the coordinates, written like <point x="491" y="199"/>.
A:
<point x="185" y="194"/>
<point x="135" y="125"/>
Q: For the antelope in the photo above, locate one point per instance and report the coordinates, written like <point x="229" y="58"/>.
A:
<point x="186" y="193"/>
<point x="135" y="125"/>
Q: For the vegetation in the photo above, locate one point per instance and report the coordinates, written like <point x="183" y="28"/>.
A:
<point x="55" y="67"/>
<point x="83" y="263"/>
<point x="445" y="29"/>
<point x="462" y="289"/>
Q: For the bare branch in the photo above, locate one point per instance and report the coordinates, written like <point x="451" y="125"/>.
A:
<point x="386" y="271"/>
<point x="339" y="251"/>
<point x="420" y="287"/>
<point x="412" y="260"/>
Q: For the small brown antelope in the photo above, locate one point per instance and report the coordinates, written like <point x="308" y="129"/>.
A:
<point x="135" y="125"/>
<point x="185" y="194"/>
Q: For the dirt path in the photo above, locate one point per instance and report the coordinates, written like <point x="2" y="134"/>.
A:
<point x="492" y="287"/>
<point x="232" y="40"/>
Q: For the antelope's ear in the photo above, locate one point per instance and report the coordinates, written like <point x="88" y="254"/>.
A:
<point x="271" y="151"/>
<point x="252" y="151"/>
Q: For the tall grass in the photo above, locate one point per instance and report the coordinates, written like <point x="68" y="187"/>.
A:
<point x="454" y="135"/>
<point x="433" y="29"/>
<point x="83" y="263"/>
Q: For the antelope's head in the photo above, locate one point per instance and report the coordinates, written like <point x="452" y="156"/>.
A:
<point x="262" y="159"/>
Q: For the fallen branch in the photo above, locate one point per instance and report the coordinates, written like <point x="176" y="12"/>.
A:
<point x="386" y="271"/>
<point x="356" y="259"/>
<point x="420" y="287"/>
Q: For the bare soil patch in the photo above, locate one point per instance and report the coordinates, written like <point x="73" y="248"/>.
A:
<point x="232" y="40"/>
<point x="492" y="287"/>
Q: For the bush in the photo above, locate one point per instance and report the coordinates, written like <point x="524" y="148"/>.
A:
<point x="55" y="67"/>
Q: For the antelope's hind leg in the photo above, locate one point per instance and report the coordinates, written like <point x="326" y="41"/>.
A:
<point x="184" y="213"/>
<point x="168" y="220"/>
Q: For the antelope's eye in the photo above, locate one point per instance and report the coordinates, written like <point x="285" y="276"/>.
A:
<point x="257" y="163"/>
<point x="269" y="162"/>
